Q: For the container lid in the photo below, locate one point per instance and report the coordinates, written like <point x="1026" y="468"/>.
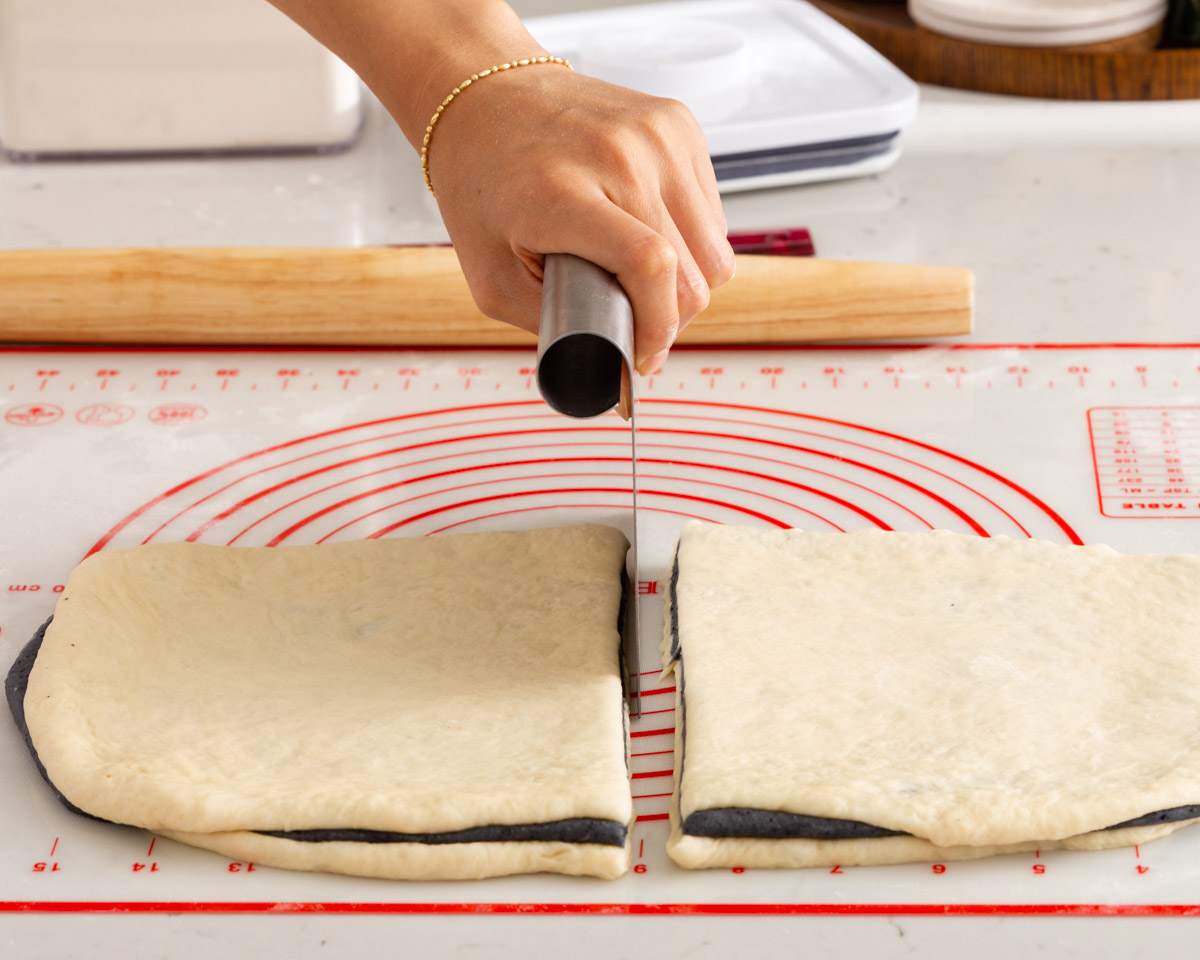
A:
<point x="758" y="74"/>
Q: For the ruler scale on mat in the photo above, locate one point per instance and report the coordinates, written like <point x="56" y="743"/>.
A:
<point x="111" y="448"/>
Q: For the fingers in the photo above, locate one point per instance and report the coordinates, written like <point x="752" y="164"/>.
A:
<point x="691" y="286"/>
<point x="645" y="262"/>
<point x="673" y="190"/>
<point x="692" y="216"/>
<point x="653" y="261"/>
<point x="696" y="209"/>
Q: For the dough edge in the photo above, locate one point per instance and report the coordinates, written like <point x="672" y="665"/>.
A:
<point x="703" y="853"/>
<point x="416" y="861"/>
<point x="698" y="853"/>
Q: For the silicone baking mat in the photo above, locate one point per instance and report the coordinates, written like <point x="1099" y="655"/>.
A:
<point x="99" y="448"/>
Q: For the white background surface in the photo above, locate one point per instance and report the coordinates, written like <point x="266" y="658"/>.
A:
<point x="1080" y="221"/>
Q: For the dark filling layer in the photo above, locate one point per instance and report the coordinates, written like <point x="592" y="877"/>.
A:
<point x="751" y="823"/>
<point x="775" y="825"/>
<point x="575" y="830"/>
<point x="15" y="685"/>
<point x="673" y="606"/>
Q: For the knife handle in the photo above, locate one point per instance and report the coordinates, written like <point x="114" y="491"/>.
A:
<point x="585" y="343"/>
<point x="415" y="296"/>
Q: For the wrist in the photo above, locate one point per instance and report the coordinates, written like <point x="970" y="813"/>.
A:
<point x="470" y="37"/>
<point x="412" y="53"/>
<point x="462" y="86"/>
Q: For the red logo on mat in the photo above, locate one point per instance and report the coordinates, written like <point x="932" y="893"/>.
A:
<point x="178" y="413"/>
<point x="104" y="414"/>
<point x="34" y="414"/>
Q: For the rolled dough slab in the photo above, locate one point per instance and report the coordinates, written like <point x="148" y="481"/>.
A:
<point x="413" y="686"/>
<point x="991" y="695"/>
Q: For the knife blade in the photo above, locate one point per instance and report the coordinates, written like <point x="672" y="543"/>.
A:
<point x="585" y="367"/>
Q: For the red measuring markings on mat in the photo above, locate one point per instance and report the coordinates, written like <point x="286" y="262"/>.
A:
<point x="104" y="414"/>
<point x="805" y="468"/>
<point x="33" y="414"/>
<point x="1146" y="460"/>
<point x="169" y="413"/>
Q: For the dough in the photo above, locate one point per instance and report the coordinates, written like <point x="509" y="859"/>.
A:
<point x="977" y="696"/>
<point x="409" y="686"/>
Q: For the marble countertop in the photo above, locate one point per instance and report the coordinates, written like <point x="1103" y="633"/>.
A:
<point x="1081" y="220"/>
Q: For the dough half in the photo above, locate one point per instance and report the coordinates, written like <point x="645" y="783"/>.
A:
<point x="976" y="696"/>
<point x="416" y="687"/>
<point x="694" y="852"/>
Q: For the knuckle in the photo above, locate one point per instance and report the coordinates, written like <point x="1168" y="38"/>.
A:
<point x="668" y="108"/>
<point x="679" y="112"/>
<point x="620" y="157"/>
<point x="722" y="271"/>
<point x="654" y="127"/>
<point x="508" y="292"/>
<point x="694" y="301"/>
<point x="491" y="302"/>
<point x="558" y="188"/>
<point x="666" y="118"/>
<point x="494" y="295"/>
<point x="619" y="151"/>
<point x="652" y="257"/>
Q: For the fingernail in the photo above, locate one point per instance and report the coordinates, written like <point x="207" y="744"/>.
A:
<point x="651" y="365"/>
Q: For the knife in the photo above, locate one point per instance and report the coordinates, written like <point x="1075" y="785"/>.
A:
<point x="585" y="368"/>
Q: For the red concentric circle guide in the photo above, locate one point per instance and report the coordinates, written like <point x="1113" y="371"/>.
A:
<point x="517" y="464"/>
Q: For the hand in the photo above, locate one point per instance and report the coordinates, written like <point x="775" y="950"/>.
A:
<point x="539" y="160"/>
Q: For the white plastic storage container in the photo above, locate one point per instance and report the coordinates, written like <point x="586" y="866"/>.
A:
<point x="783" y="93"/>
<point x="101" y="77"/>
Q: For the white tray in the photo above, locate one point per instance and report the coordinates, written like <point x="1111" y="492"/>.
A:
<point x="798" y="79"/>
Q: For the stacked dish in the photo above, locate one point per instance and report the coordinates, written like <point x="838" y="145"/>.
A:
<point x="1038" y="23"/>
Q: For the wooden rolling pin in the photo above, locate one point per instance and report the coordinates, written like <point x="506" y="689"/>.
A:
<point x="418" y="296"/>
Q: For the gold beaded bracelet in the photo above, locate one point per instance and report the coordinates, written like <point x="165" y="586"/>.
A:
<point x="529" y="61"/>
